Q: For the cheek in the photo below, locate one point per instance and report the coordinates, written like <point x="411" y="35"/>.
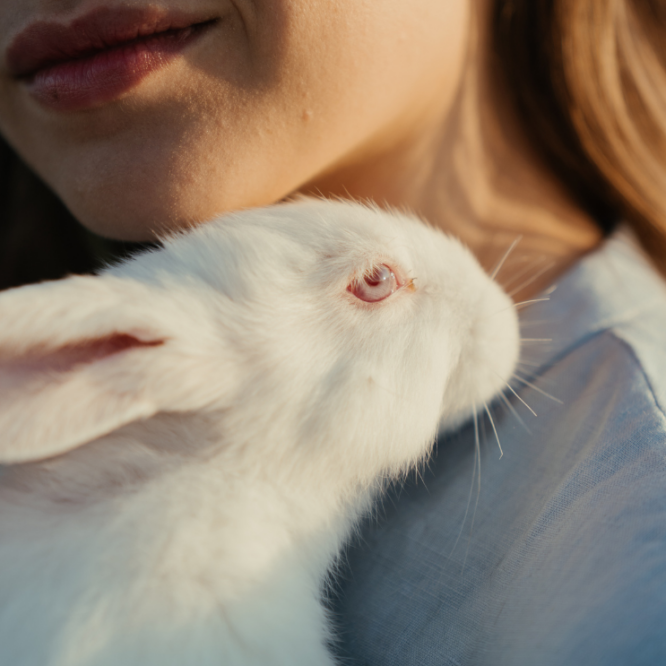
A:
<point x="368" y="72"/>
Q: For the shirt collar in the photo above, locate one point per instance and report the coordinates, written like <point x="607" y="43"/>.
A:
<point x="612" y="285"/>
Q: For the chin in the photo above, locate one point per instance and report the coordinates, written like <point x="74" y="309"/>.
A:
<point x="136" y="211"/>
<point x="136" y="221"/>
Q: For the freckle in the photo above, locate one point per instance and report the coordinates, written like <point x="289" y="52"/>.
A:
<point x="307" y="115"/>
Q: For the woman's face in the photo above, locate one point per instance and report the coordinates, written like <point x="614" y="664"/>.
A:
<point x="141" y="122"/>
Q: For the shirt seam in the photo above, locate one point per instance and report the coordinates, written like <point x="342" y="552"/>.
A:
<point x="589" y="337"/>
<point x="630" y="347"/>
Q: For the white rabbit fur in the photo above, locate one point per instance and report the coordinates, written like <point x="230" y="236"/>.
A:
<point x="189" y="437"/>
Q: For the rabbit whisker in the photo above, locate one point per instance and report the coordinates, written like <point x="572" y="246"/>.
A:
<point x="505" y="400"/>
<point x="530" y="280"/>
<point x="525" y="269"/>
<point x="492" y="423"/>
<point x="533" y="300"/>
<point x="536" y="388"/>
<point x="476" y="476"/>
<point x="497" y="268"/>
<point x="519" y="398"/>
<point x="517" y="306"/>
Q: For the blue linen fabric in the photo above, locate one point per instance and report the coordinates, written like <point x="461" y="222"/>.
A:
<point x="562" y="558"/>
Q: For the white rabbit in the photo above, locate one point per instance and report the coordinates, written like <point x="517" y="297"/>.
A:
<point x="189" y="438"/>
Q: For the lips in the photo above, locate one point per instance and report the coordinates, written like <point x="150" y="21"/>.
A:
<point x="99" y="56"/>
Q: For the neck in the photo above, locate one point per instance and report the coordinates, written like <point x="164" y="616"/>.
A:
<point x="470" y="170"/>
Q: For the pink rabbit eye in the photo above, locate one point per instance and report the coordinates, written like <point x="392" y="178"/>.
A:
<point x="376" y="286"/>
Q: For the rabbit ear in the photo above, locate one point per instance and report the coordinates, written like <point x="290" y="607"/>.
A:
<point x="79" y="358"/>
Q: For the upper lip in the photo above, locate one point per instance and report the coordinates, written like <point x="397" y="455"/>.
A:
<point x="46" y="43"/>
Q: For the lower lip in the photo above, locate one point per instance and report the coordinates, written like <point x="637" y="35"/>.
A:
<point x="85" y="83"/>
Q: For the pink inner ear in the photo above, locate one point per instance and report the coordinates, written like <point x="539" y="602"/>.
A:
<point x="64" y="359"/>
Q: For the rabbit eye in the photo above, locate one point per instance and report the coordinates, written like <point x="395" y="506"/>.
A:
<point x="376" y="286"/>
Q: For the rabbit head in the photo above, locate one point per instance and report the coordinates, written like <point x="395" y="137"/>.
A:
<point x="334" y="333"/>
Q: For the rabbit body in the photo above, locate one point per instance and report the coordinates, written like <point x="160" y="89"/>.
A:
<point x="189" y="438"/>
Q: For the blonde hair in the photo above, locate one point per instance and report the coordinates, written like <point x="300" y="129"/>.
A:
<point x="589" y="79"/>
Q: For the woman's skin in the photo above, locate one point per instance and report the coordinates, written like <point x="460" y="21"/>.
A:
<point x="375" y="99"/>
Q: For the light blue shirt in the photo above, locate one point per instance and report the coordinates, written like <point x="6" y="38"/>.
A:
<point x="562" y="561"/>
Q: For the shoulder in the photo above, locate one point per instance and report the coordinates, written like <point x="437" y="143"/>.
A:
<point x="588" y="566"/>
<point x="615" y="293"/>
<point x="559" y="555"/>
